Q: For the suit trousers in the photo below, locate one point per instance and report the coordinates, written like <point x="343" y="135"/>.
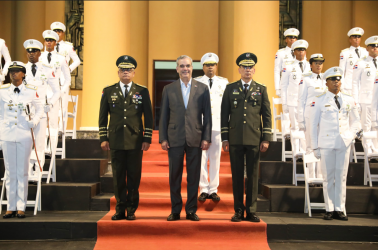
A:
<point x="16" y="161"/>
<point x="193" y="170"/>
<point x="40" y="143"/>
<point x="334" y="163"/>
<point x="252" y="153"/>
<point x="127" y="172"/>
<point x="212" y="155"/>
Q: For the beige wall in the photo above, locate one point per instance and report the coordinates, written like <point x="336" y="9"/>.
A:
<point x="164" y="30"/>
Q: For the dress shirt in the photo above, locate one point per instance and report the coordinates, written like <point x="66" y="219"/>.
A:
<point x="123" y="87"/>
<point x="185" y="90"/>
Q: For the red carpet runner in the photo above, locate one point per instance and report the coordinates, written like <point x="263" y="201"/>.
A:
<point x="151" y="230"/>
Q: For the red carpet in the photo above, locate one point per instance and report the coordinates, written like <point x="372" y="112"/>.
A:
<point x="151" y="230"/>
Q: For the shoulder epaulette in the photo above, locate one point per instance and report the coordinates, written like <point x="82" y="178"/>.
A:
<point x="345" y="49"/>
<point x="260" y="84"/>
<point x="346" y="94"/>
<point x="321" y="94"/>
<point x="289" y="62"/>
<point x="107" y="86"/>
<point x="307" y="74"/>
<point x="29" y="86"/>
<point x="198" y="77"/>
<point x="281" y="49"/>
<point x="222" y="77"/>
<point x="68" y="43"/>
<point x="1" y="39"/>
<point x="45" y="65"/>
<point x="5" y="86"/>
<point x="231" y="83"/>
<point x="140" y="85"/>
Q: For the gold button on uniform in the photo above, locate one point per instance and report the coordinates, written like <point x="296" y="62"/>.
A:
<point x="125" y="117"/>
<point x="245" y="107"/>
<point x="245" y="122"/>
<point x="124" y="126"/>
<point x="124" y="110"/>
<point x="245" y="115"/>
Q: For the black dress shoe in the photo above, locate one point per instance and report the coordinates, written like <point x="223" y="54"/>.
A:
<point x="7" y="216"/>
<point x="130" y="216"/>
<point x="203" y="197"/>
<point x="118" y="216"/>
<point x="214" y="197"/>
<point x="252" y="217"/>
<point x="20" y="216"/>
<point x="173" y="217"/>
<point x="238" y="216"/>
<point x="328" y="216"/>
<point x="338" y="215"/>
<point x="192" y="217"/>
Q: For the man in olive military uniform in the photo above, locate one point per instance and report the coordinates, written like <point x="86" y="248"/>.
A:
<point x="245" y="104"/>
<point x="125" y="101"/>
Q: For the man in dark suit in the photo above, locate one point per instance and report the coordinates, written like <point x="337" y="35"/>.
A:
<point x="125" y="102"/>
<point x="185" y="127"/>
<point x="245" y="103"/>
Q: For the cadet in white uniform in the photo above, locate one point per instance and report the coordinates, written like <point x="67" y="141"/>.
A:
<point x="364" y="76"/>
<point x="334" y="124"/>
<point x="16" y="136"/>
<point x="5" y="53"/>
<point x="67" y="50"/>
<point x="291" y="77"/>
<point x="350" y="56"/>
<point x="217" y="85"/>
<point x="291" y="35"/>
<point x="40" y="75"/>
<point x="59" y="65"/>
<point x="311" y="85"/>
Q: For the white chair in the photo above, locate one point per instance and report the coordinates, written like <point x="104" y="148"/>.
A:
<point x="355" y="155"/>
<point x="73" y="115"/>
<point x="297" y="135"/>
<point x="285" y="154"/>
<point x="29" y="203"/>
<point x="310" y="159"/>
<point x="51" y="150"/>
<point x="369" y="153"/>
<point x="276" y="117"/>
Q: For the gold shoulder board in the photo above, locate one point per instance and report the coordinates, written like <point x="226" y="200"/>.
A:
<point x="29" y="86"/>
<point x="321" y="94"/>
<point x="140" y="85"/>
<point x="5" y="86"/>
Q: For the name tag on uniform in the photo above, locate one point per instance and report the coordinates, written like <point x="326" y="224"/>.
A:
<point x="327" y="105"/>
<point x="317" y="87"/>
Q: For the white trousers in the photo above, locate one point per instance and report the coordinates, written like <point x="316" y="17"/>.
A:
<point x="16" y="161"/>
<point x="296" y="144"/>
<point x="366" y="122"/>
<point x="314" y="170"/>
<point x="213" y="154"/>
<point x="40" y="141"/>
<point x="285" y="128"/>
<point x="334" y="163"/>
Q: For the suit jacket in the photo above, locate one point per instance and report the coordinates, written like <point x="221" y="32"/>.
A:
<point x="179" y="125"/>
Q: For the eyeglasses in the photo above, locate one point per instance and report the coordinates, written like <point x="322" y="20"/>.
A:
<point x="334" y="78"/>
<point x="246" y="67"/>
<point x="32" y="50"/>
<point x="355" y="36"/>
<point x="49" y="40"/>
<point x="291" y="37"/>
<point x="373" y="45"/>
<point x="300" y="49"/>
<point x="126" y="69"/>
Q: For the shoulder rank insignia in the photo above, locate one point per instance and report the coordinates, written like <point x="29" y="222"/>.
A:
<point x="307" y="74"/>
<point x="107" y="86"/>
<point x="321" y="94"/>
<point x="45" y="65"/>
<point x="289" y="62"/>
<point x="345" y="50"/>
<point x="68" y="43"/>
<point x="346" y="94"/>
<point x="29" y="86"/>
<point x="5" y="86"/>
<point x="281" y="49"/>
<point x="231" y="83"/>
<point x="198" y="77"/>
<point x="140" y="85"/>
<point x="261" y="84"/>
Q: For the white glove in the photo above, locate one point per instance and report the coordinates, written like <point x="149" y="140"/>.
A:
<point x="278" y="92"/>
<point x="2" y="78"/>
<point x="301" y="126"/>
<point x="317" y="153"/>
<point x="31" y="124"/>
<point x="47" y="108"/>
<point x="374" y="124"/>
<point x="285" y="108"/>
<point x="359" y="107"/>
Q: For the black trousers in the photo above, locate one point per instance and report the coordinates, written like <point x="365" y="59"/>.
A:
<point x="193" y="170"/>
<point x="252" y="154"/>
<point x="127" y="171"/>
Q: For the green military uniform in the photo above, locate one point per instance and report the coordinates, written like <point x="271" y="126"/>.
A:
<point x="241" y="125"/>
<point x="125" y="139"/>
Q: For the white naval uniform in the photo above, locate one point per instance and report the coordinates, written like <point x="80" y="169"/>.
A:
<point x="44" y="77"/>
<point x="213" y="154"/>
<point x="364" y="76"/>
<point x="349" y="58"/>
<point x="67" y="50"/>
<point x="16" y="140"/>
<point x="310" y="86"/>
<point x="5" y="53"/>
<point x="332" y="131"/>
<point x="291" y="77"/>
<point x="281" y="56"/>
<point x="374" y="106"/>
<point x="59" y="65"/>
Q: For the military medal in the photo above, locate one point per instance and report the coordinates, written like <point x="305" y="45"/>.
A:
<point x="235" y="103"/>
<point x="294" y="77"/>
<point x="136" y="106"/>
<point x="351" y="63"/>
<point x="10" y="106"/>
<point x="368" y="73"/>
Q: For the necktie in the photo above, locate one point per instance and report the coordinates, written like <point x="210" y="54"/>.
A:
<point x="375" y="62"/>
<point x="49" y="57"/>
<point x="16" y="90"/>
<point x="246" y="88"/>
<point x="318" y="77"/>
<point x="126" y="91"/>
<point x="337" y="102"/>
<point x="301" y="65"/>
<point x="57" y="47"/>
<point x="292" y="54"/>
<point x="357" y="53"/>
<point x="33" y="69"/>
<point x="211" y="82"/>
